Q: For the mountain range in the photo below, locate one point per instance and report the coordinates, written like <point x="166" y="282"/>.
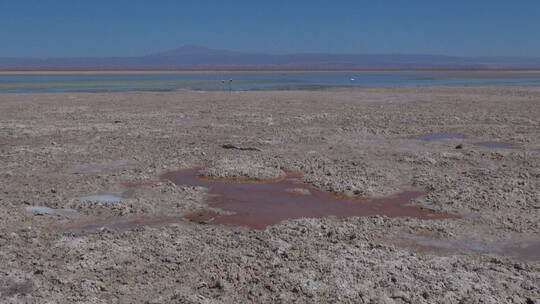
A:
<point x="193" y="57"/>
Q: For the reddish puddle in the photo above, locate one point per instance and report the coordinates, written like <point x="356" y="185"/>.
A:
<point x="257" y="204"/>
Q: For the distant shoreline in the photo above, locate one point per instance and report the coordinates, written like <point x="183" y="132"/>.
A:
<point x="112" y="72"/>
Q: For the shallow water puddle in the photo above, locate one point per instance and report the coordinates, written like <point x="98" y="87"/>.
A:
<point x="257" y="204"/>
<point x="128" y="223"/>
<point x="106" y="198"/>
<point x="493" y="144"/>
<point x="440" y="136"/>
<point x="43" y="209"/>
<point x="97" y="167"/>
<point x="487" y="144"/>
<point x="522" y="248"/>
<point x="528" y="251"/>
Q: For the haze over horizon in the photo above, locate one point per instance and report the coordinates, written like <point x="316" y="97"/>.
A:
<point x="64" y="28"/>
<point x="191" y="47"/>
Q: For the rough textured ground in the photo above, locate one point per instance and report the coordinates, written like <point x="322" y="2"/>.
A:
<point x="57" y="147"/>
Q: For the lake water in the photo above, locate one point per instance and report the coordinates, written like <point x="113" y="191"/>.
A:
<point x="17" y="83"/>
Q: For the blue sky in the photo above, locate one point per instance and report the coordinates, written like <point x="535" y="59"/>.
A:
<point x="55" y="28"/>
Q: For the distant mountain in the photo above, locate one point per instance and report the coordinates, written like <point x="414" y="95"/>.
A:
<point x="201" y="58"/>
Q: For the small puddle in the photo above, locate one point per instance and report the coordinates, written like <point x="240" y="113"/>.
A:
<point x="522" y="248"/>
<point x="97" y="167"/>
<point x="129" y="223"/>
<point x="440" y="136"/>
<point x="493" y="144"/>
<point x="106" y="198"/>
<point x="527" y="250"/>
<point x="43" y="209"/>
<point x="257" y="204"/>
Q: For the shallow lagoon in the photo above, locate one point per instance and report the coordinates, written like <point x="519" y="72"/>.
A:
<point x="58" y="82"/>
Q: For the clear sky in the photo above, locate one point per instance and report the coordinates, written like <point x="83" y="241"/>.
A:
<point x="55" y="28"/>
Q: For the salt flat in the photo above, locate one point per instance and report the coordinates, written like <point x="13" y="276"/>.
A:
<point x="363" y="142"/>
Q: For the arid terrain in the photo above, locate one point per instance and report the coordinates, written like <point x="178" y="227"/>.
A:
<point x="87" y="215"/>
